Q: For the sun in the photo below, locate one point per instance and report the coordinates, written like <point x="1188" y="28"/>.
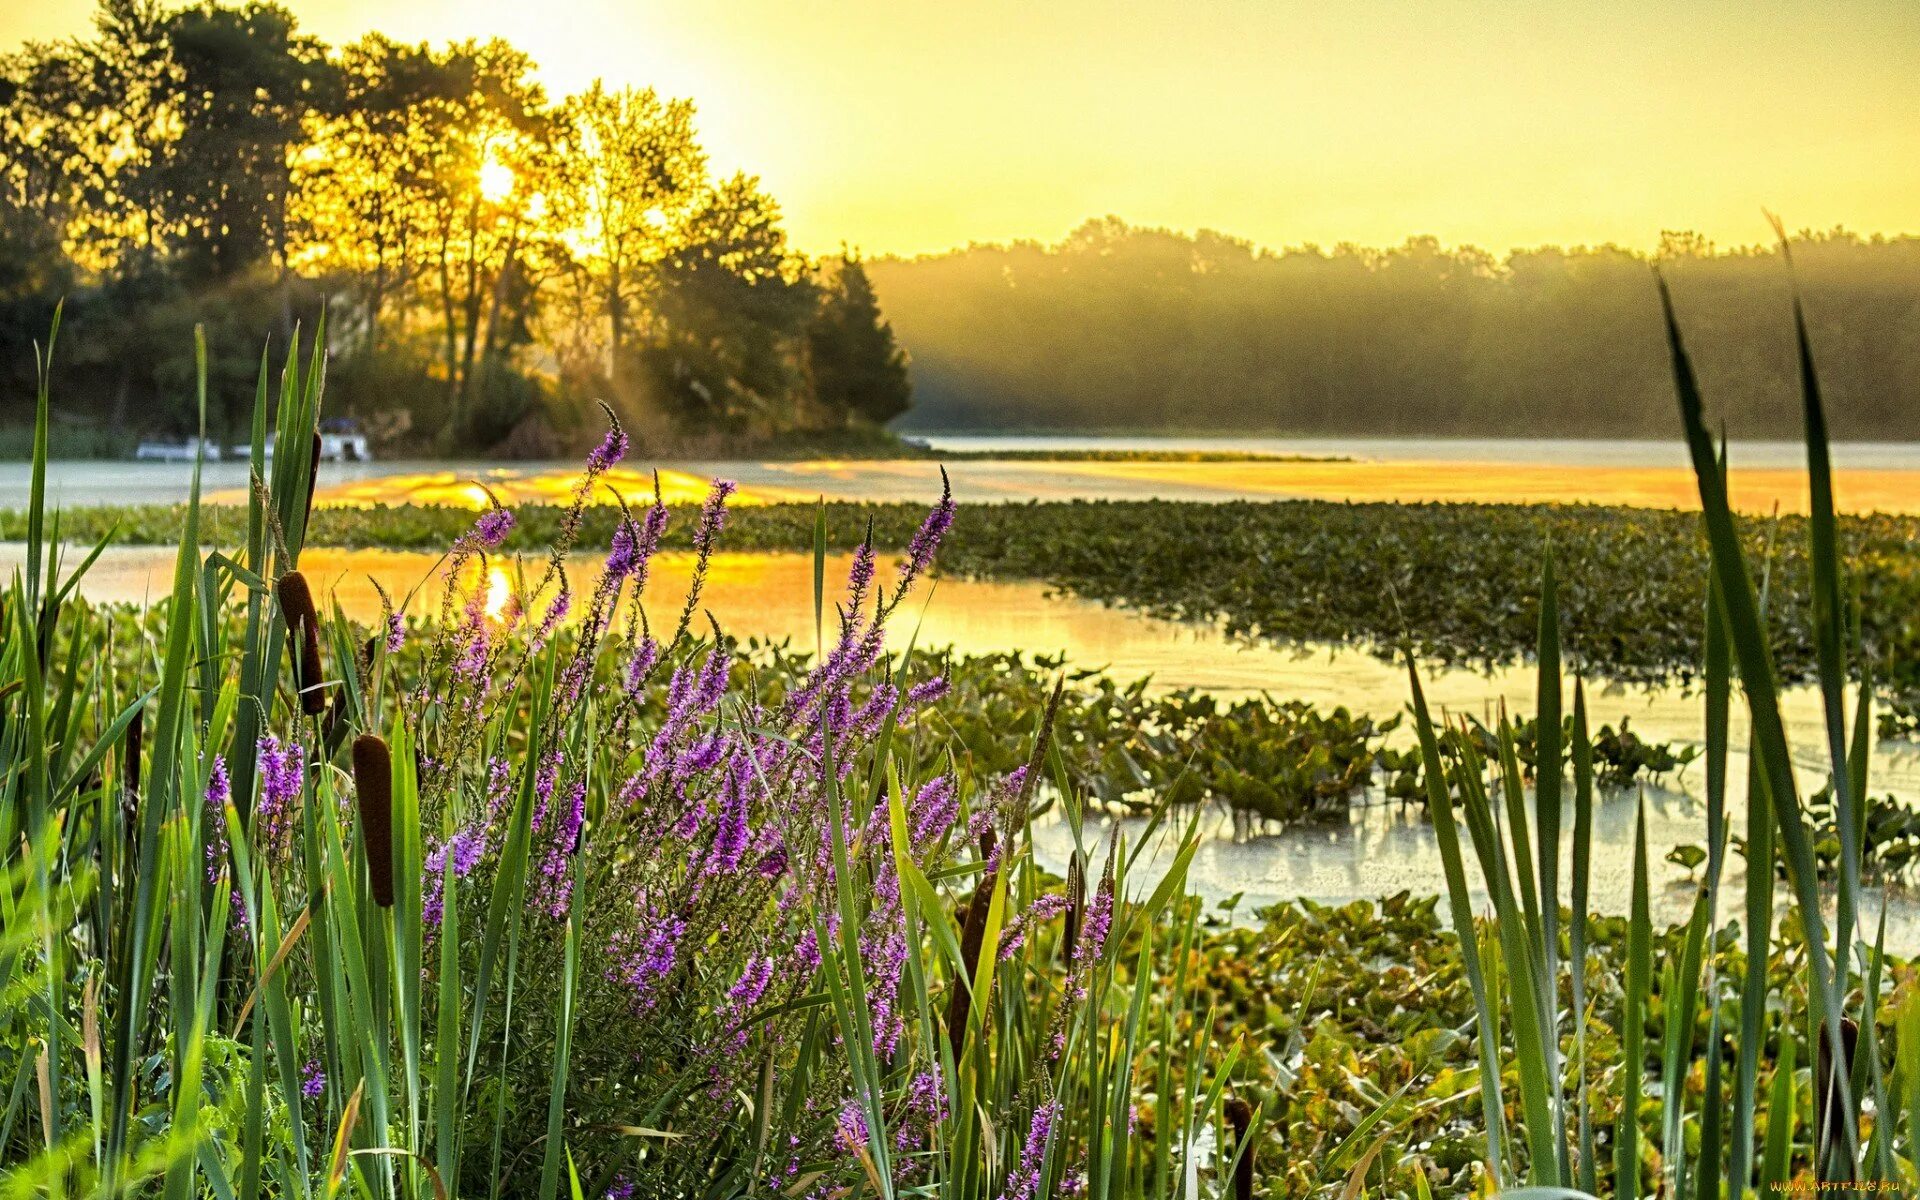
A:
<point x="496" y="179"/>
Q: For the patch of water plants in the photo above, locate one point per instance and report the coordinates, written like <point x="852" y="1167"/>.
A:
<point x="1448" y="578"/>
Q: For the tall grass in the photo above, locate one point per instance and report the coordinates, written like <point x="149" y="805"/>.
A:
<point x="300" y="908"/>
<point x="1746" y="1064"/>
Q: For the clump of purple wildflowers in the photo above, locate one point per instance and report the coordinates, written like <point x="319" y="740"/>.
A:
<point x="1024" y="1183"/>
<point x="396" y="632"/>
<point x="281" y="769"/>
<point x="313" y="1080"/>
<point x="852" y="1128"/>
<point x="644" y="958"/>
<point x="466" y="848"/>
<point x="932" y="812"/>
<point x="927" y="691"/>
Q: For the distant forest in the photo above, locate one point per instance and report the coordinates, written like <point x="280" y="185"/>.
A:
<point x="489" y="260"/>
<point x="1125" y="328"/>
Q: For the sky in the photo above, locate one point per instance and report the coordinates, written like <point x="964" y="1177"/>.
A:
<point x="912" y="126"/>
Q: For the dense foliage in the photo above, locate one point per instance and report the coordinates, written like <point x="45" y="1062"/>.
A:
<point x="488" y="259"/>
<point x="1120" y="327"/>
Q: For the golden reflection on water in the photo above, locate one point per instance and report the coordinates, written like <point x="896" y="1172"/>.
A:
<point x="1750" y="490"/>
<point x="511" y="486"/>
<point x="1755" y="490"/>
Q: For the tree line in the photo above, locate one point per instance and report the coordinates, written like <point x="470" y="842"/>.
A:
<point x="1126" y="328"/>
<point x="488" y="260"/>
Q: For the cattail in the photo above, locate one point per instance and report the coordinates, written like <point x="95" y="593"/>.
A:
<point x="303" y="621"/>
<point x="130" y="771"/>
<point x="373" y="787"/>
<point x="1829" y="1085"/>
<point x="1076" y="903"/>
<point x="973" y="935"/>
<point x="1240" y="1116"/>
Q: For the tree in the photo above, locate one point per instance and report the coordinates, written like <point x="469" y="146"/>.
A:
<point x="243" y="84"/>
<point x="857" y="366"/>
<point x="733" y="303"/>
<point x="630" y="177"/>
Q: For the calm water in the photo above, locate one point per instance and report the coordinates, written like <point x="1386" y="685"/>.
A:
<point x="1380" y="848"/>
<point x="1882" y="477"/>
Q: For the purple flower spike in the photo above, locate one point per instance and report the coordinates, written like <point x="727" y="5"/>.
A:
<point x="313" y="1080"/>
<point x="713" y="515"/>
<point x="623" y="556"/>
<point x="491" y="529"/>
<point x="1024" y="1183"/>
<point x="927" y="539"/>
<point x="611" y="450"/>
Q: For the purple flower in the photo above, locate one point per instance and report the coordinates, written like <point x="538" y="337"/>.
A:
<point x="281" y="771"/>
<point x="313" y="1080"/>
<point x="1093" y="935"/>
<point x="643" y="961"/>
<point x="620" y="1189"/>
<point x="621" y="558"/>
<point x="472" y="663"/>
<point x="745" y="993"/>
<point x="219" y="794"/>
<point x="927" y="691"/>
<point x="611" y="450"/>
<point x="852" y="1127"/>
<point x="641" y="664"/>
<point x="713" y="515"/>
<point x="467" y="847"/>
<point x="556" y="612"/>
<point x="1043" y="909"/>
<point x="926" y="539"/>
<point x="860" y="575"/>
<point x="396" y="632"/>
<point x="491" y="529"/>
<point x="1024" y="1183"/>
<point x="933" y="810"/>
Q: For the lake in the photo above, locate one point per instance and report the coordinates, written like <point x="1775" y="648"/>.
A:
<point x="1379" y="848"/>
<point x="1765" y="475"/>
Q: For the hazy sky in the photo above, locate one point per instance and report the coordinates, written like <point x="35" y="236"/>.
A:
<point x="906" y="126"/>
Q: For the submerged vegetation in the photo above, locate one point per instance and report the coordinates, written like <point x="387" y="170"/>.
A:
<point x="573" y="894"/>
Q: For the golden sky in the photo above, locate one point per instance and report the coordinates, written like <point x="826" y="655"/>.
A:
<point x="902" y="126"/>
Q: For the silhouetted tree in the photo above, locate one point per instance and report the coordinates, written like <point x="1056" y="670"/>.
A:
<point x="857" y="366"/>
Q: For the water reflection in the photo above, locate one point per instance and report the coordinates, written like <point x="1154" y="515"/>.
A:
<point x="1868" y="478"/>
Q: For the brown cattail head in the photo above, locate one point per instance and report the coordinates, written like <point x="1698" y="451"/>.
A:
<point x="303" y="624"/>
<point x="973" y="936"/>
<point x="1076" y="905"/>
<point x="1240" y="1117"/>
<point x="373" y="788"/>
<point x="1829" y="1085"/>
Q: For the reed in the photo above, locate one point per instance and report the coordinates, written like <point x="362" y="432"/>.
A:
<point x="1680" y="1022"/>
